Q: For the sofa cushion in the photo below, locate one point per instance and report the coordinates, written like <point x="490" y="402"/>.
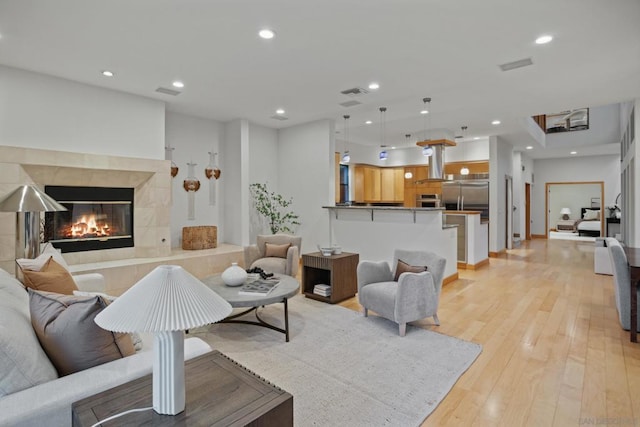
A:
<point x="37" y="263"/>
<point x="51" y="278"/>
<point x="23" y="363"/>
<point x="271" y="265"/>
<point x="276" y="251"/>
<point x="66" y="330"/>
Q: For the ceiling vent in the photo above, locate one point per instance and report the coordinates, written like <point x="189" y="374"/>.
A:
<point x="356" y="91"/>
<point x="516" y="64"/>
<point x="167" y="91"/>
<point x="351" y="103"/>
<point x="280" y="117"/>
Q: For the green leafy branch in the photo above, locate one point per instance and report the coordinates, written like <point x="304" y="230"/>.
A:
<point x="274" y="207"/>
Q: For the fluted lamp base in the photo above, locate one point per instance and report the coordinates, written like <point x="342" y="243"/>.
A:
<point x="168" y="373"/>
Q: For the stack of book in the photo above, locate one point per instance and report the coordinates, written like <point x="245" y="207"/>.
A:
<point x="323" y="290"/>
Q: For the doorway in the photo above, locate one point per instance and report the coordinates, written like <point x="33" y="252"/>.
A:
<point x="509" y="212"/>
<point x="569" y="200"/>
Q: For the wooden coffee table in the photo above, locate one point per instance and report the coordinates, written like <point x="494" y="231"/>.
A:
<point x="287" y="287"/>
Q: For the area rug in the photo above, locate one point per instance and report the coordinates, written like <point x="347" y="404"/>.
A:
<point x="347" y="370"/>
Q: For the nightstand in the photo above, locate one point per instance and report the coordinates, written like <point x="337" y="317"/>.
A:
<point x="566" y="225"/>
<point x="613" y="227"/>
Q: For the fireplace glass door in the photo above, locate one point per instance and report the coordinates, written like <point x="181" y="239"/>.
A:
<point x="96" y="218"/>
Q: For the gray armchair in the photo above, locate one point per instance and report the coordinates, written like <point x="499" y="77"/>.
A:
<point x="259" y="255"/>
<point x="413" y="297"/>
<point x="621" y="282"/>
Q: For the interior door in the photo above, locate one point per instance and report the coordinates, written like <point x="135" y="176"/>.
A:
<point x="527" y="211"/>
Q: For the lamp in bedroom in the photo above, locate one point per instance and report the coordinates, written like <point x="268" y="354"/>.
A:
<point x="565" y="212"/>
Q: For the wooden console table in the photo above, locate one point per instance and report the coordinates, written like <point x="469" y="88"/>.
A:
<point x="633" y="258"/>
<point x="338" y="271"/>
<point x="219" y="392"/>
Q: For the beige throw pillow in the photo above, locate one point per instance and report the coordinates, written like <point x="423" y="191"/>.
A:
<point x="67" y="333"/>
<point x="276" y="251"/>
<point x="403" y="267"/>
<point x="52" y="278"/>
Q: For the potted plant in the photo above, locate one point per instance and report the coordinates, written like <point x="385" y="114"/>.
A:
<point x="274" y="208"/>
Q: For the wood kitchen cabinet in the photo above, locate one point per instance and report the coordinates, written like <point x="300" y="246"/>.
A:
<point x="374" y="184"/>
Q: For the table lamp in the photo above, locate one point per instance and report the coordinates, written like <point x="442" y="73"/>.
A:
<point x="565" y="212"/>
<point x="167" y="301"/>
<point x="28" y="201"/>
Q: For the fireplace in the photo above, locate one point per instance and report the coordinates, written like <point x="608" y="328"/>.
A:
<point x="97" y="218"/>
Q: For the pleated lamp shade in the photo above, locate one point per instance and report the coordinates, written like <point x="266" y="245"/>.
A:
<point x="167" y="299"/>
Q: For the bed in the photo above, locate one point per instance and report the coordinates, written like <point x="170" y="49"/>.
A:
<point x="589" y="223"/>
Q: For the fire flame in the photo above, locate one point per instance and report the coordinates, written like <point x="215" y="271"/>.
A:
<point x="88" y="226"/>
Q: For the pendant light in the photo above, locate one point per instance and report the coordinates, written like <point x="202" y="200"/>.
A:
<point x="464" y="170"/>
<point x="346" y="157"/>
<point x="383" y="152"/>
<point x="408" y="174"/>
<point x="427" y="150"/>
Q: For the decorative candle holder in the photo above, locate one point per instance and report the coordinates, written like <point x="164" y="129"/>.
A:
<point x="168" y="154"/>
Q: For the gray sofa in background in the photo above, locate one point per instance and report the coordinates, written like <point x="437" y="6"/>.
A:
<point x="621" y="282"/>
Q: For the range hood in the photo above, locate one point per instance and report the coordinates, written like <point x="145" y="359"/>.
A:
<point x="436" y="160"/>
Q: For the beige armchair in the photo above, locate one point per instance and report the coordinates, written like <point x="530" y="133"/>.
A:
<point x="413" y="296"/>
<point x="269" y="254"/>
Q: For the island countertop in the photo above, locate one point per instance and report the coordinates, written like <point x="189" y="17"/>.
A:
<point x="385" y="208"/>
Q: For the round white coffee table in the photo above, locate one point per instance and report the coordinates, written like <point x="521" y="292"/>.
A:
<point x="286" y="288"/>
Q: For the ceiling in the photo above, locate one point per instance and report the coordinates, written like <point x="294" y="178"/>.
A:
<point x="447" y="50"/>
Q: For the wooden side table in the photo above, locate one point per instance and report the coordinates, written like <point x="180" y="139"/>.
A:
<point x="219" y="393"/>
<point x="338" y="271"/>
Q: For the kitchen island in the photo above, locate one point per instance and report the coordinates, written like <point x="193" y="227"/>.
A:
<point x="375" y="232"/>
<point x="473" y="238"/>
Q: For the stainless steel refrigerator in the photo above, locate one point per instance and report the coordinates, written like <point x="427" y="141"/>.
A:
<point x="461" y="195"/>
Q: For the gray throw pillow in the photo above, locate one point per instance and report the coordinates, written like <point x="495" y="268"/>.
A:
<point x="66" y="330"/>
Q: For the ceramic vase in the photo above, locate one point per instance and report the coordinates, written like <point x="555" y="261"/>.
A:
<point x="234" y="275"/>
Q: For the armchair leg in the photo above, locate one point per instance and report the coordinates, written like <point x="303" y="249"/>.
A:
<point x="403" y="329"/>
<point x="436" y="320"/>
<point x="365" y="312"/>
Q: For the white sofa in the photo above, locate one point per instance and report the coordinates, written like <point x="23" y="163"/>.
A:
<point x="49" y="403"/>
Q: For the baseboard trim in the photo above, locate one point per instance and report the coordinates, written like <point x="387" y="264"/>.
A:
<point x="450" y="279"/>
<point x="465" y="266"/>
<point x="538" y="236"/>
<point x="497" y="254"/>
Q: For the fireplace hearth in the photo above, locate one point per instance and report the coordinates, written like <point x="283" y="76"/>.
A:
<point x="97" y="218"/>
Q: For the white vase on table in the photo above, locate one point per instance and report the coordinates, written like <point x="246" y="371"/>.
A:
<point x="234" y="275"/>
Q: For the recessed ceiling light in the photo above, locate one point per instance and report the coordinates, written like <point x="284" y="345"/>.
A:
<point x="107" y="73"/>
<point x="279" y="111"/>
<point x="528" y="147"/>
<point x="424" y="112"/>
<point x="475" y="138"/>
<point x="495" y="122"/>
<point x="266" y="34"/>
<point x="574" y="152"/>
<point x="544" y="39"/>
<point x="368" y="122"/>
<point x="374" y="86"/>
<point x="393" y="148"/>
<point x="178" y="84"/>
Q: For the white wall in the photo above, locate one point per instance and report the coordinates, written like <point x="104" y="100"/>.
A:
<point x="40" y="111"/>
<point x="235" y="193"/>
<point x="572" y="169"/>
<point x="306" y="173"/>
<point x="263" y="161"/>
<point x="368" y="154"/>
<point x="500" y="165"/>
<point x="192" y="139"/>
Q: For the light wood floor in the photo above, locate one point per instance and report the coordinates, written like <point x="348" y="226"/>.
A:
<point x="554" y="353"/>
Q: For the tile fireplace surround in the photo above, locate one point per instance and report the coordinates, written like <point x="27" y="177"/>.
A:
<point x="151" y="181"/>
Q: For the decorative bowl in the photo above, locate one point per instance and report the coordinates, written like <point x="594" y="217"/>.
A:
<point x="326" y="251"/>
